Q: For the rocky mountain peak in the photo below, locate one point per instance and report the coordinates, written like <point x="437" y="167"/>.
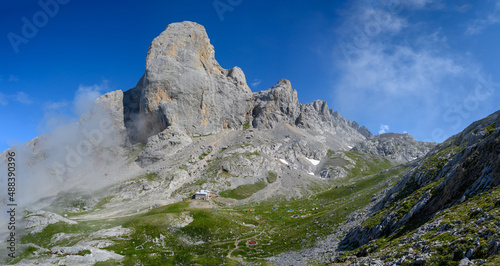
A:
<point x="180" y="45"/>
<point x="320" y="106"/>
<point x="283" y="83"/>
<point x="283" y="91"/>
<point x="280" y="94"/>
<point x="183" y="84"/>
<point x="185" y="87"/>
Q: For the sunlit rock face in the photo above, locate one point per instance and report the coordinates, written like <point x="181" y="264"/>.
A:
<point x="184" y="85"/>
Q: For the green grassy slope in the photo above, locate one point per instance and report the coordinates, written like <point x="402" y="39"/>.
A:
<point x="221" y="235"/>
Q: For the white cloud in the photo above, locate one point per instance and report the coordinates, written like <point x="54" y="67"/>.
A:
<point x="56" y="105"/>
<point x="383" y="129"/>
<point x="85" y="97"/>
<point x="57" y="114"/>
<point x="400" y="83"/>
<point x="20" y="97"/>
<point x="369" y="22"/>
<point x="410" y="77"/>
<point x="13" y="78"/>
<point x="256" y="82"/>
<point x="3" y="99"/>
<point x="425" y="4"/>
<point x="23" y="98"/>
<point x="379" y="20"/>
<point x="479" y="24"/>
<point x="462" y="6"/>
<point x="398" y="71"/>
<point x="417" y="3"/>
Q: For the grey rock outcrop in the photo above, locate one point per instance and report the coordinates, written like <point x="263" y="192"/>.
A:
<point x="399" y="148"/>
<point x="164" y="144"/>
<point x="184" y="84"/>
<point x="333" y="172"/>
<point x="280" y="104"/>
<point x="37" y="221"/>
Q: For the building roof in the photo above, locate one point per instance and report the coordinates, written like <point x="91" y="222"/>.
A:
<point x="202" y="192"/>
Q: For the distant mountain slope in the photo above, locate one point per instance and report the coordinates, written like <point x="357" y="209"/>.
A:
<point x="395" y="147"/>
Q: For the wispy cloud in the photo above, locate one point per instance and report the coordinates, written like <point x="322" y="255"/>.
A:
<point x="13" y="78"/>
<point x="256" y="82"/>
<point x="20" y="97"/>
<point x="406" y="77"/>
<point x="399" y="71"/>
<point x="55" y="105"/>
<point x="85" y="97"/>
<point x="369" y="22"/>
<point x="383" y="129"/>
<point x="479" y="24"/>
<point x="57" y="114"/>
<point x="417" y="4"/>
<point x="23" y="98"/>
<point x="463" y="6"/>
<point x="3" y="100"/>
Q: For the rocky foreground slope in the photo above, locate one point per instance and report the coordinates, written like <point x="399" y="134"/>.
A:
<point x="291" y="183"/>
<point x="446" y="209"/>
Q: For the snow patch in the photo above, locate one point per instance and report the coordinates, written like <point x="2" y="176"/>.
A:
<point x="314" y="162"/>
<point x="283" y="161"/>
<point x="349" y="147"/>
<point x="311" y="173"/>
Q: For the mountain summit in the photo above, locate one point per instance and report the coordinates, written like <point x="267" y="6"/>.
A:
<point x="185" y="90"/>
<point x="184" y="85"/>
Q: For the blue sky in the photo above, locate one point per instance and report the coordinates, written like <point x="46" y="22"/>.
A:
<point x="424" y="67"/>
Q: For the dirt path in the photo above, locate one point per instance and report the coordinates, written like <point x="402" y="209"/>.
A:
<point x="236" y="242"/>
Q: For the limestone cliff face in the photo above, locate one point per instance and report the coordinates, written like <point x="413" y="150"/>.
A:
<point x="183" y="84"/>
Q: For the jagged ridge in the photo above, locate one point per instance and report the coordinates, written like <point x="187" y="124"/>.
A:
<point x="184" y="85"/>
